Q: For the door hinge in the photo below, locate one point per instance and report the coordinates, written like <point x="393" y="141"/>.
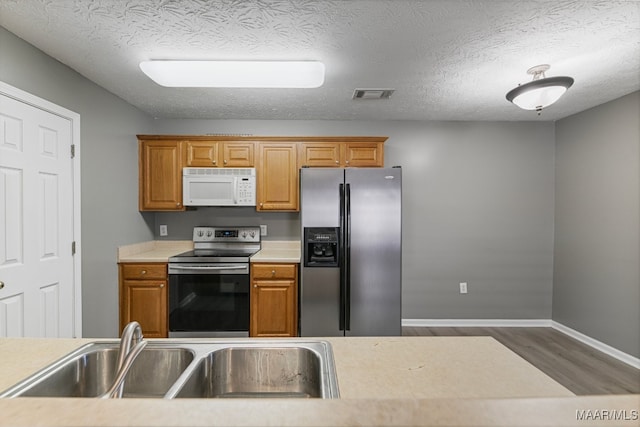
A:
<point x="73" y="248"/>
<point x="73" y="151"/>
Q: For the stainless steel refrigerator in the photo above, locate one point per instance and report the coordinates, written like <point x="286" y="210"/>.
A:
<point x="351" y="269"/>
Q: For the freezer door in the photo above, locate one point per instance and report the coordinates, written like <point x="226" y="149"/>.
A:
<point x="375" y="230"/>
<point x="319" y="286"/>
<point x="319" y="197"/>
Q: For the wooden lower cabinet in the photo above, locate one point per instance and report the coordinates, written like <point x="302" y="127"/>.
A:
<point x="274" y="300"/>
<point x="143" y="297"/>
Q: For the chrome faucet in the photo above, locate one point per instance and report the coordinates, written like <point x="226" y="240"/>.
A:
<point x="131" y="336"/>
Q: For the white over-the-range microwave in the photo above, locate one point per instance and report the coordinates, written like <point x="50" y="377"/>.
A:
<point x="219" y="186"/>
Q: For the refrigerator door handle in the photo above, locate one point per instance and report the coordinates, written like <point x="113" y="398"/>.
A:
<point x="347" y="258"/>
<point x="341" y="261"/>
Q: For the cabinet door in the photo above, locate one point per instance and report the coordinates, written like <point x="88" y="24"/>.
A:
<point x="238" y="154"/>
<point x="145" y="301"/>
<point x="319" y="154"/>
<point x="201" y="153"/>
<point x="160" y="166"/>
<point x="277" y="183"/>
<point x="273" y="308"/>
<point x="363" y="155"/>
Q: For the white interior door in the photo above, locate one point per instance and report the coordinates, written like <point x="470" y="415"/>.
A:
<point x="37" y="280"/>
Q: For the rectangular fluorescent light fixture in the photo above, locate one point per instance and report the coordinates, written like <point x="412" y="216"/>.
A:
<point x="235" y="74"/>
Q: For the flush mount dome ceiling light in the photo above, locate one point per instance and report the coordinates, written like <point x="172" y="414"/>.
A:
<point x="541" y="92"/>
<point x="235" y="74"/>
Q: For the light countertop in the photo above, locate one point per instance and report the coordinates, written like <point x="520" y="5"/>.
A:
<point x="154" y="251"/>
<point x="161" y="250"/>
<point x="383" y="381"/>
<point x="278" y="251"/>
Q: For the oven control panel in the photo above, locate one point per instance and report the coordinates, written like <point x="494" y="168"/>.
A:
<point x="226" y="234"/>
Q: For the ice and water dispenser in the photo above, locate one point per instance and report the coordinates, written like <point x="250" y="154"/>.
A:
<point x="321" y="247"/>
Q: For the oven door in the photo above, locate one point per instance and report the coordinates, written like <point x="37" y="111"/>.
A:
<point x="208" y="300"/>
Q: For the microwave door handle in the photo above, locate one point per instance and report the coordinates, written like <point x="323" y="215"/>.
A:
<point x="235" y="190"/>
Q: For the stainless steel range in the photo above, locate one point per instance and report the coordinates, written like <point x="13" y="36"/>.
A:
<point x="209" y="286"/>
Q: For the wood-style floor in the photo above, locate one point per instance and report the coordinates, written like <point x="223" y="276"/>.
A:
<point x="577" y="366"/>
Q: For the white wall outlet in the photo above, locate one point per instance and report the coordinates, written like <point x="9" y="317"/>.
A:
<point x="263" y="230"/>
<point x="163" y="230"/>
<point x="463" y="287"/>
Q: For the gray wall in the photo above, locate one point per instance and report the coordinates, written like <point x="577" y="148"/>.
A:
<point x="109" y="171"/>
<point x="478" y="208"/>
<point x="597" y="238"/>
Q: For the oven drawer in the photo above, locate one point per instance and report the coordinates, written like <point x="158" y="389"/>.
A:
<point x="144" y="271"/>
<point x="273" y="271"/>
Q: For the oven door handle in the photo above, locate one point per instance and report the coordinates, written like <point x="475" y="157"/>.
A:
<point x="211" y="268"/>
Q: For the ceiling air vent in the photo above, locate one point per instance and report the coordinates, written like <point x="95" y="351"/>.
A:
<point x="372" y="93"/>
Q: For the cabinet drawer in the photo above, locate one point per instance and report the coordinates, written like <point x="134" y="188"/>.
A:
<point x="144" y="271"/>
<point x="274" y="271"/>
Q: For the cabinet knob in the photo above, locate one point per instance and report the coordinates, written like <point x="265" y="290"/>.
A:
<point x="225" y="162"/>
<point x="260" y="204"/>
<point x="213" y="161"/>
<point x="178" y="204"/>
<point x="273" y="272"/>
<point x="347" y="161"/>
<point x="143" y="272"/>
<point x="255" y="286"/>
<point x="161" y="285"/>
<point x="337" y="162"/>
<point x="1" y="285"/>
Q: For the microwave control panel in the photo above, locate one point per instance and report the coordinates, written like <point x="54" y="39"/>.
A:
<point x="247" y="191"/>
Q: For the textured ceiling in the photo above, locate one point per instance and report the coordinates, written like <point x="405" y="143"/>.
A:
<point x="446" y="59"/>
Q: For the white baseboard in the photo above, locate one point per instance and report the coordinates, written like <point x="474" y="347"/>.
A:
<point x="526" y="323"/>
<point x="462" y="323"/>
<point x="598" y="345"/>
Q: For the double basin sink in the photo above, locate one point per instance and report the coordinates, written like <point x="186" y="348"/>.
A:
<point x="192" y="369"/>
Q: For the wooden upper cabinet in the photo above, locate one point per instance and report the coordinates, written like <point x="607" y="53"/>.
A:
<point x="160" y="175"/>
<point x="320" y="154"/>
<point x="201" y="153"/>
<point x="360" y="155"/>
<point x="277" y="177"/>
<point x="219" y="154"/>
<point x="365" y="152"/>
<point x="277" y="160"/>
<point x="238" y="154"/>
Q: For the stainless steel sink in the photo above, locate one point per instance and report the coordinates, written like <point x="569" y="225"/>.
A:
<point x="90" y="371"/>
<point x="193" y="369"/>
<point x="256" y="372"/>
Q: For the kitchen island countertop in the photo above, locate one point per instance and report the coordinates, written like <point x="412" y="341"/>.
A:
<point x="382" y="381"/>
